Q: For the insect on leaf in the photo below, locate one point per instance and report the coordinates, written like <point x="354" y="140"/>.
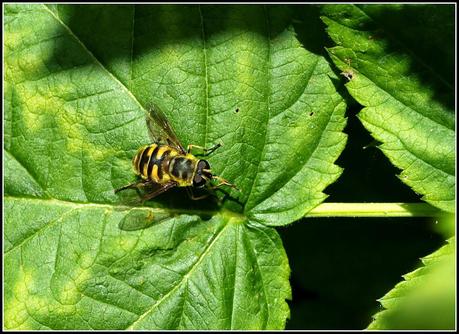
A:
<point x="78" y="83"/>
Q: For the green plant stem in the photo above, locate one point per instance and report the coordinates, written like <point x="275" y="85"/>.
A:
<point x="374" y="210"/>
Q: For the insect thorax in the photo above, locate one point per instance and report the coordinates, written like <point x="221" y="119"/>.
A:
<point x="182" y="169"/>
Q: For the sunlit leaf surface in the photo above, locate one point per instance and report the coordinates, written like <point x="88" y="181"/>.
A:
<point x="407" y="93"/>
<point x="77" y="83"/>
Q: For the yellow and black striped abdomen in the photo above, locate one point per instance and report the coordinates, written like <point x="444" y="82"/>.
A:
<point x="152" y="162"/>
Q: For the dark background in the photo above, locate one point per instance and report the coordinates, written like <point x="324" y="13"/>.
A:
<point x="341" y="266"/>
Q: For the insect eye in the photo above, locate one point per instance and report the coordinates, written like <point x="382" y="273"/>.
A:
<point x="198" y="181"/>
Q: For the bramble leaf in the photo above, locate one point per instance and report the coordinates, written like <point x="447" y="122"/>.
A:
<point x="77" y="83"/>
<point x="407" y="100"/>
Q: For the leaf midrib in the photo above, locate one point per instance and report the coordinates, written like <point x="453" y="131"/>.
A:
<point x="448" y="174"/>
<point x="206" y="75"/>
<point x="268" y="110"/>
<point x="206" y="86"/>
<point x="73" y="206"/>
<point x="378" y="84"/>
<point x="94" y="58"/>
<point x="311" y="152"/>
<point x="184" y="278"/>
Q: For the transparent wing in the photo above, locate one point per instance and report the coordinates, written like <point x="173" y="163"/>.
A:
<point x="160" y="130"/>
<point x="141" y="218"/>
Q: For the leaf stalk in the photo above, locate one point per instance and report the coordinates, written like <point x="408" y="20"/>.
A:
<point x="374" y="210"/>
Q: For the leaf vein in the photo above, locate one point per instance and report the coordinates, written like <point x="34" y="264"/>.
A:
<point x="406" y="149"/>
<point x="265" y="296"/>
<point x="106" y="303"/>
<point x="269" y="79"/>
<point x="235" y="276"/>
<point x="206" y="75"/>
<point x="184" y="279"/>
<point x="94" y="58"/>
<point x="28" y="172"/>
<point x="411" y="53"/>
<point x="40" y="230"/>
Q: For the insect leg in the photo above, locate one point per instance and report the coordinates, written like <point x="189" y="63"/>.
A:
<point x="190" y="193"/>
<point x="223" y="182"/>
<point x="135" y="185"/>
<point x="159" y="191"/>
<point x="206" y="150"/>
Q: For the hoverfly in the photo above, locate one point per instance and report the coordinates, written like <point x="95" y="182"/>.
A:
<point x="165" y="164"/>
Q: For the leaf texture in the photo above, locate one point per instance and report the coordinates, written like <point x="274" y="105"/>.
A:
<point x="399" y="89"/>
<point x="77" y="83"/>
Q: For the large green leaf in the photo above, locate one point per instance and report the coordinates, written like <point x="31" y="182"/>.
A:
<point x="77" y="82"/>
<point x="403" y="78"/>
